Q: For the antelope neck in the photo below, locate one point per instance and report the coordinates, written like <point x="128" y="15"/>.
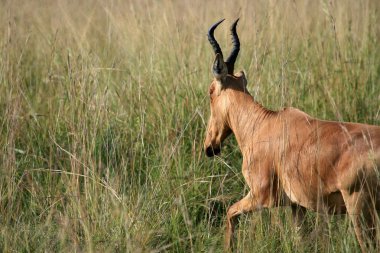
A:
<point x="245" y="117"/>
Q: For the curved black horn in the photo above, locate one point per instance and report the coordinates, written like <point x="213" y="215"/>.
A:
<point x="212" y="39"/>
<point x="235" y="50"/>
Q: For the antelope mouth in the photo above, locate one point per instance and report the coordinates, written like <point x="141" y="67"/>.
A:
<point x="210" y="151"/>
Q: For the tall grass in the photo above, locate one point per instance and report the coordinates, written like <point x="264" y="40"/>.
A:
<point x="103" y="110"/>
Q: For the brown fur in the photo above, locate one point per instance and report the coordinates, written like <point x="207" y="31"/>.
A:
<point x="324" y="166"/>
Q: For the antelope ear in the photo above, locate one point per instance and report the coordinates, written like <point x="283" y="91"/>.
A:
<point x="219" y="68"/>
<point x="241" y="74"/>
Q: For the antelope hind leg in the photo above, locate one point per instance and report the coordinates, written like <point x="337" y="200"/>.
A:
<point x="363" y="215"/>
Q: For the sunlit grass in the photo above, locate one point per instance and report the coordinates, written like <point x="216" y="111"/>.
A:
<point x="103" y="113"/>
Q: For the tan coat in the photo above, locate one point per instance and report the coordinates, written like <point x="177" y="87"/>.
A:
<point x="324" y="166"/>
<point x="292" y="158"/>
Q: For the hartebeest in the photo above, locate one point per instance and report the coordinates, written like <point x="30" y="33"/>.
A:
<point x="321" y="165"/>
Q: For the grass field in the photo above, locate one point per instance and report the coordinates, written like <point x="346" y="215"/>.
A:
<point x="103" y="113"/>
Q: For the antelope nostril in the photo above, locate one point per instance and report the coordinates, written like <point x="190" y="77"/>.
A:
<point x="210" y="151"/>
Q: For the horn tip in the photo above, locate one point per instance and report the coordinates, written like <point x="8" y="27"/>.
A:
<point x="212" y="28"/>
<point x="234" y="24"/>
<point x="220" y="21"/>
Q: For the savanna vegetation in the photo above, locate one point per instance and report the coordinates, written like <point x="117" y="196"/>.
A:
<point x="103" y="107"/>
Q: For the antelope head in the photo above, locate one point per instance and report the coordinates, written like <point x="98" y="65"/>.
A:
<point x="224" y="82"/>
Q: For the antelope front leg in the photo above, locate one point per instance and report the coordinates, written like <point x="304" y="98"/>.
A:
<point x="298" y="214"/>
<point x="247" y="204"/>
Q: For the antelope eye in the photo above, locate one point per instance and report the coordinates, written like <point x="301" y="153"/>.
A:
<point x="211" y="91"/>
<point x="212" y="97"/>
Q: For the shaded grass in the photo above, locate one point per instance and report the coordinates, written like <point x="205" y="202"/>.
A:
<point x="104" y="106"/>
